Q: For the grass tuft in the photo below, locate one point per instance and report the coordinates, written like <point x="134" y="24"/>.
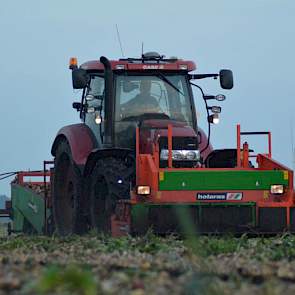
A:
<point x="72" y="280"/>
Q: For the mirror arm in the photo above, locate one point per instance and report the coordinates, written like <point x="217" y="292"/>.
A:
<point x="207" y="110"/>
<point x="82" y="102"/>
<point x="202" y="76"/>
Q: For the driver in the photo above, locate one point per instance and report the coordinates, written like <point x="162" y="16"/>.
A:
<point x="142" y="103"/>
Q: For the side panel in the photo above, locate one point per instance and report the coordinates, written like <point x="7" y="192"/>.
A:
<point x="29" y="206"/>
<point x="221" y="180"/>
<point x="81" y="140"/>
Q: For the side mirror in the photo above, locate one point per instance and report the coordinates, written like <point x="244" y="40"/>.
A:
<point x="226" y="79"/>
<point x="80" y="78"/>
<point x="77" y="106"/>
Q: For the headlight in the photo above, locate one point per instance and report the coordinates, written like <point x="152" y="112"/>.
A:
<point x="181" y="155"/>
<point x="192" y="155"/>
<point x="277" y="189"/>
<point x="143" y="190"/>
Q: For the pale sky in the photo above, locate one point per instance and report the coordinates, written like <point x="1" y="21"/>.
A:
<point x="253" y="38"/>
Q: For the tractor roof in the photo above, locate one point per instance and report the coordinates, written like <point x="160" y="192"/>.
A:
<point x="148" y="61"/>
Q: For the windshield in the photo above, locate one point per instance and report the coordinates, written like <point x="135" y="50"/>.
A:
<point x="153" y="94"/>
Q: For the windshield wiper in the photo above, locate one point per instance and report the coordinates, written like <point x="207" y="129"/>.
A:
<point x="162" y="77"/>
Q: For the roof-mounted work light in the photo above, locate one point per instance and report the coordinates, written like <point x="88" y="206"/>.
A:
<point x="214" y="118"/>
<point x="73" y="64"/>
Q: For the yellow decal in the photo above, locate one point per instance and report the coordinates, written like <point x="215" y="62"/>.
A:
<point x="265" y="195"/>
<point x="286" y="175"/>
<point x="158" y="195"/>
<point x="161" y="175"/>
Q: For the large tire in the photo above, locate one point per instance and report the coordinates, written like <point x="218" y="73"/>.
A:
<point x="67" y="192"/>
<point x="109" y="182"/>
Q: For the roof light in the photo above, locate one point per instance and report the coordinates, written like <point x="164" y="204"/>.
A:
<point x="89" y="97"/>
<point x="277" y="189"/>
<point x="73" y="64"/>
<point x="183" y="67"/>
<point x="214" y="118"/>
<point x="90" y="110"/>
<point x="97" y="118"/>
<point x="220" y="97"/>
<point x="120" y="67"/>
<point x="215" y="109"/>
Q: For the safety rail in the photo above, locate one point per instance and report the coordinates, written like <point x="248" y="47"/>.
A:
<point x="243" y="155"/>
<point x="156" y="150"/>
<point x="44" y="174"/>
<point x="23" y="174"/>
<point x="46" y="197"/>
<point x="151" y="160"/>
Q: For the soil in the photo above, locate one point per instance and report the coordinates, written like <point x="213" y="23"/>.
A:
<point x="95" y="264"/>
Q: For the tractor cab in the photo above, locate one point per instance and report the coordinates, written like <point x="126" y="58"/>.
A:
<point x="121" y="95"/>
<point x="150" y="96"/>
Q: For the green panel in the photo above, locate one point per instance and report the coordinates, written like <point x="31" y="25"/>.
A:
<point x="27" y="205"/>
<point x="18" y="220"/>
<point x="221" y="180"/>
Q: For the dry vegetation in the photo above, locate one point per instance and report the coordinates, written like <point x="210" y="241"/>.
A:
<point x="95" y="264"/>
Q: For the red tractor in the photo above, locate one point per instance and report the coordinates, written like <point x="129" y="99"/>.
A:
<point x="138" y="156"/>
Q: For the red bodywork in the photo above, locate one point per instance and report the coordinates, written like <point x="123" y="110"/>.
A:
<point x="203" y="144"/>
<point x="171" y="66"/>
<point x="151" y="130"/>
<point x="81" y="141"/>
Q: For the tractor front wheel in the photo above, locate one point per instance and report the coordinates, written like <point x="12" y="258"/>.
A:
<point x="109" y="182"/>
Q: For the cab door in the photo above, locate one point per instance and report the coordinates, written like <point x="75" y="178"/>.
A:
<point x="94" y="107"/>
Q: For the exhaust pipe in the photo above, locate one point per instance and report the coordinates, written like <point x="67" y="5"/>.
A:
<point x="109" y="102"/>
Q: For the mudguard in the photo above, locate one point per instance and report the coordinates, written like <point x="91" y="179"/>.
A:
<point x="81" y="141"/>
<point x="97" y="154"/>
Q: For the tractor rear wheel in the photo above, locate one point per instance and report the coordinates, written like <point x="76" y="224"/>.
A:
<point x="109" y="182"/>
<point x="66" y="198"/>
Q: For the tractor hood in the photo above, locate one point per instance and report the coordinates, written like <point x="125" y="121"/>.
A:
<point x="162" y="124"/>
<point x="153" y="130"/>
